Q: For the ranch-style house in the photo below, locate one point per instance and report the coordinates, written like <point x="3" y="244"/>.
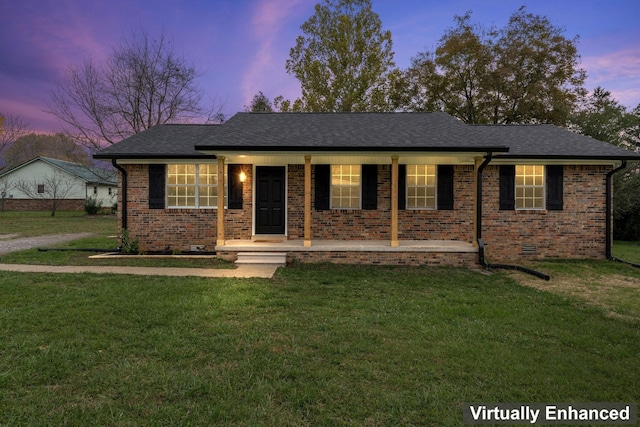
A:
<point x="379" y="188"/>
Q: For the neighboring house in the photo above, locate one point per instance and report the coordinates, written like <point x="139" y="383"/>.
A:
<point x="32" y="185"/>
<point x="389" y="188"/>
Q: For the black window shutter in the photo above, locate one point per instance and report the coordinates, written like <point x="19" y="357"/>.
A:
<point x="555" y="177"/>
<point x="234" y="187"/>
<point x="507" y="187"/>
<point x="445" y="187"/>
<point x="402" y="187"/>
<point x="370" y="187"/>
<point x="156" y="186"/>
<point x="322" y="187"/>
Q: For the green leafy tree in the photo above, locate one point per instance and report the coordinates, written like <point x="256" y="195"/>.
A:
<point x="343" y="60"/>
<point x="454" y="78"/>
<point x="259" y="104"/>
<point x="602" y="117"/>
<point x="526" y="72"/>
<point x="626" y="206"/>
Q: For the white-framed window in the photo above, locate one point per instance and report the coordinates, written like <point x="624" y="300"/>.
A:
<point x="345" y="186"/>
<point x="530" y="186"/>
<point x="40" y="188"/>
<point x="421" y="186"/>
<point x="95" y="190"/>
<point x="192" y="186"/>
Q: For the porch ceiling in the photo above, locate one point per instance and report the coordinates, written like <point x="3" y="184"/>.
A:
<point x="356" y="157"/>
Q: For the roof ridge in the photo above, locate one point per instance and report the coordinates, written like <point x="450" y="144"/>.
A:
<point x="339" y="112"/>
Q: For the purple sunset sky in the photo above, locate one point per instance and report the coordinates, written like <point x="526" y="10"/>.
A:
<point x="242" y="45"/>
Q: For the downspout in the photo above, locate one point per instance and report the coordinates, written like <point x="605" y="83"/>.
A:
<point x="609" y="216"/>
<point x="609" y="193"/>
<point x="479" y="198"/>
<point x="124" y="192"/>
<point x="482" y="260"/>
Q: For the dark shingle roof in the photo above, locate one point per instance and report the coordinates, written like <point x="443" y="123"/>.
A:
<point x="547" y="141"/>
<point x="361" y="131"/>
<point x="344" y="131"/>
<point x="177" y="141"/>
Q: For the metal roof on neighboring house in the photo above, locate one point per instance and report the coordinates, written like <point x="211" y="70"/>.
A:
<point x="361" y="132"/>
<point x="90" y="175"/>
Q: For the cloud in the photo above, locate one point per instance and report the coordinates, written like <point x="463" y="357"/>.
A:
<point x="268" y="20"/>
<point x="617" y="72"/>
<point x="622" y="64"/>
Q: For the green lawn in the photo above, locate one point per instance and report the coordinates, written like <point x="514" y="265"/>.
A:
<point x="28" y="224"/>
<point x="317" y="345"/>
<point x="628" y="251"/>
<point x="105" y="228"/>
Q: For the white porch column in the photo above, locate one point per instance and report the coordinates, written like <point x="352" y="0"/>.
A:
<point x="221" y="198"/>
<point x="307" y="200"/>
<point x="394" y="201"/>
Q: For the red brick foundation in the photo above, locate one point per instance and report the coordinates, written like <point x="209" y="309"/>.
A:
<point x="41" y="205"/>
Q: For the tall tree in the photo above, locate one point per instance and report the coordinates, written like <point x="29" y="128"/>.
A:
<point x="602" y="117"/>
<point x="143" y="83"/>
<point x="259" y="104"/>
<point x="58" y="146"/>
<point x="526" y="72"/>
<point x="343" y="60"/>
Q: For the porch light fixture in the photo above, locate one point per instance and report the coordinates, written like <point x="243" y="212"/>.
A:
<point x="243" y="176"/>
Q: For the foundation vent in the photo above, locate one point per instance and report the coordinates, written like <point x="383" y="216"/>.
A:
<point x="528" y="250"/>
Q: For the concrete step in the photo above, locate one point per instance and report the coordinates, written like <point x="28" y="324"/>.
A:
<point x="279" y="258"/>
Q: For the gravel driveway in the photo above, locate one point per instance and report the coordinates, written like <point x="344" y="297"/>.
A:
<point x="8" y="242"/>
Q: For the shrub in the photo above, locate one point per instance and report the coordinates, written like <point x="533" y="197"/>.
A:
<point x="92" y="206"/>
<point x="128" y="245"/>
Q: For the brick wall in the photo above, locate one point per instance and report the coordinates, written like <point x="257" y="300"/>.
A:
<point x="159" y="229"/>
<point x="41" y="205"/>
<point x="451" y="259"/>
<point x="577" y="231"/>
<point x="359" y="224"/>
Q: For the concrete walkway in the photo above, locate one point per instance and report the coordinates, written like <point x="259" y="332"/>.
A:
<point x="243" y="270"/>
<point x="9" y="243"/>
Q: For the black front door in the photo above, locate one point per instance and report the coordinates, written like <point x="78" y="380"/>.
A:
<point x="270" y="199"/>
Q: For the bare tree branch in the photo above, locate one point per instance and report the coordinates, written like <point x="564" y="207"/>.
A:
<point x="145" y="82"/>
<point x="53" y="188"/>
<point x="11" y="128"/>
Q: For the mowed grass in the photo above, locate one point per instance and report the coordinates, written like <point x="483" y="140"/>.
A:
<point x="105" y="230"/>
<point x="628" y="251"/>
<point x="316" y="345"/>
<point x="29" y="224"/>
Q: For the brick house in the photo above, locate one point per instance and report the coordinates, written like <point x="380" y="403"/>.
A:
<point x="388" y="188"/>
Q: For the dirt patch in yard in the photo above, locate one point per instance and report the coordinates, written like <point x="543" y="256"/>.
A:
<point x="12" y="244"/>
<point x="618" y="295"/>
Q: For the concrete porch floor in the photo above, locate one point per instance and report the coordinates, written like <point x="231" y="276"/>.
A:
<point x="280" y="244"/>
